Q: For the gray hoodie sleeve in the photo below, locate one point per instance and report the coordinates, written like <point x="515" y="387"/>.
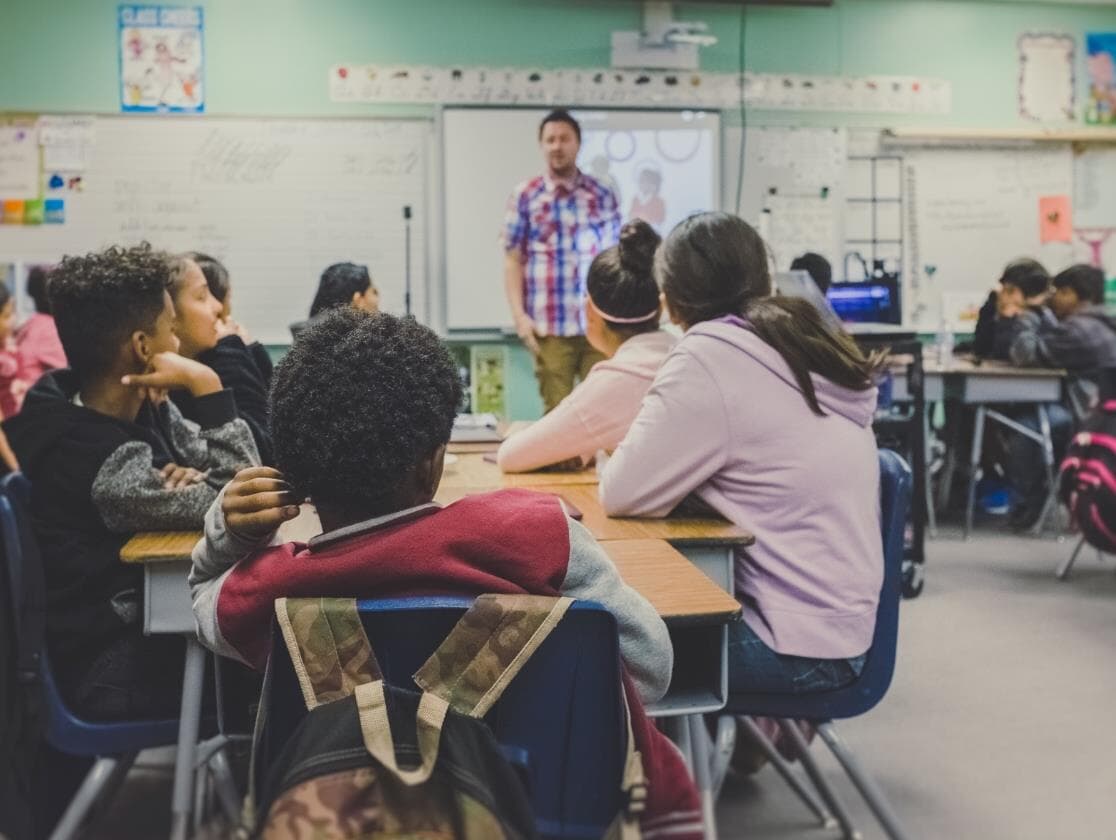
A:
<point x="644" y="642"/>
<point x="214" y="557"/>
<point x="128" y="491"/>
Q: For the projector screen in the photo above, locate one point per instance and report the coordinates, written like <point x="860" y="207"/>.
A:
<point x="663" y="166"/>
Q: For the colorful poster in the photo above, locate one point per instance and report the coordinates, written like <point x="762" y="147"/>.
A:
<point x="1100" y="47"/>
<point x="1055" y="219"/>
<point x="489" y="364"/>
<point x="161" y="59"/>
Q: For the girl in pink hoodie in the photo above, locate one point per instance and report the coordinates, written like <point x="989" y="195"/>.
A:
<point x="765" y="414"/>
<point x="622" y="313"/>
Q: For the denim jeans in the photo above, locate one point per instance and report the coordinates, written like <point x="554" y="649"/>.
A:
<point x="756" y="668"/>
<point x="1025" y="468"/>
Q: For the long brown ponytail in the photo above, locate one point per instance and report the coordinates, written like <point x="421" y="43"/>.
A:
<point x="715" y="264"/>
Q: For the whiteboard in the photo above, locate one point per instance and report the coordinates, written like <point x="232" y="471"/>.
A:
<point x="277" y="200"/>
<point x="487" y="152"/>
<point x="969" y="212"/>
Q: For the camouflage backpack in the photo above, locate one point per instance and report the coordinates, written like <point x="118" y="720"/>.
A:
<point x="371" y="760"/>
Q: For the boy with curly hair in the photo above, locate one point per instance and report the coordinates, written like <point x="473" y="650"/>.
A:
<point x="361" y="412"/>
<point x="107" y="455"/>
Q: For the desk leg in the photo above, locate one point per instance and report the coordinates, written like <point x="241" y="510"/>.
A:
<point x="1050" y="503"/>
<point x="193" y="679"/>
<point x="974" y="467"/>
<point x="699" y="743"/>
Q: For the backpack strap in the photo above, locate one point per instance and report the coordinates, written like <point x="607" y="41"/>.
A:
<point x="633" y="788"/>
<point x="487" y="648"/>
<point x="375" y="726"/>
<point x="328" y="647"/>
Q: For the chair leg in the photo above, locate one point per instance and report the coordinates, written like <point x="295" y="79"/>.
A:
<point x="699" y="741"/>
<point x="784" y="769"/>
<point x="227" y="791"/>
<point x="99" y="779"/>
<point x="836" y="806"/>
<point x="724" y="744"/>
<point x="864" y="783"/>
<point x="974" y="467"/>
<point x="1067" y="564"/>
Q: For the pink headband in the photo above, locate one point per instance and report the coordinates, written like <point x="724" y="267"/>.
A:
<point x="612" y="319"/>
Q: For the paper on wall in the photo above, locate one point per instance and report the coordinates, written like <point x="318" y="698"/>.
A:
<point x="19" y="162"/>
<point x="1046" y="76"/>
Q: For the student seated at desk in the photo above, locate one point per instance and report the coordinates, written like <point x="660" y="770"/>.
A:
<point x="108" y="455"/>
<point x="1020" y="303"/>
<point x="39" y="345"/>
<point x="206" y="337"/>
<point x="362" y="408"/>
<point x="765" y="414"/>
<point x="217" y="278"/>
<point x="622" y="313"/>
<point x="341" y="284"/>
<point x="1083" y="341"/>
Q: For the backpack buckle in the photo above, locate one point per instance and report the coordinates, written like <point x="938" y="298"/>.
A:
<point x="635" y="799"/>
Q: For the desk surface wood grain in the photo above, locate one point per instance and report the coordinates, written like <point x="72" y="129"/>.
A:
<point x="471" y="470"/>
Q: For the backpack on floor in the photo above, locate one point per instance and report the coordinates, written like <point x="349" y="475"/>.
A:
<point x="374" y="760"/>
<point x="1087" y="483"/>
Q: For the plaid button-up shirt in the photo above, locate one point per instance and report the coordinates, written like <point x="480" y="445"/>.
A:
<point x="557" y="229"/>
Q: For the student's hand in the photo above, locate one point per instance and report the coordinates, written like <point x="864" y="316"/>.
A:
<point x="1010" y="302"/>
<point x="573" y="464"/>
<point x="525" y="329"/>
<point x="229" y="326"/>
<point x="175" y="476"/>
<point x="256" y="502"/>
<point x="169" y="371"/>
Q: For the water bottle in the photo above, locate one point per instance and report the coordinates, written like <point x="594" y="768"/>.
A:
<point x="945" y="344"/>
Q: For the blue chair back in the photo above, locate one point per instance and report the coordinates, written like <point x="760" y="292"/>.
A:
<point x="65" y="732"/>
<point x="560" y="721"/>
<point x="869" y="688"/>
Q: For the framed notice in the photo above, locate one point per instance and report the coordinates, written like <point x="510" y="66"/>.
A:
<point x="162" y="65"/>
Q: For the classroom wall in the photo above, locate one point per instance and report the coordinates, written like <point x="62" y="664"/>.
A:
<point x="271" y="57"/>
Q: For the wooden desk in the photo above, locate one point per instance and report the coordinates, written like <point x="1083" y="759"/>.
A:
<point x="472" y="471"/>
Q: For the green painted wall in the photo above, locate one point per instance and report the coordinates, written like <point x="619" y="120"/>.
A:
<point x="271" y="57"/>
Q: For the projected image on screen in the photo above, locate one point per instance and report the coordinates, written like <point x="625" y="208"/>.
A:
<point x="659" y="175"/>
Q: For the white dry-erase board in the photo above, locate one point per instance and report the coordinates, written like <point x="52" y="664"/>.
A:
<point x="276" y="200"/>
<point x="968" y="212"/>
<point x="488" y="151"/>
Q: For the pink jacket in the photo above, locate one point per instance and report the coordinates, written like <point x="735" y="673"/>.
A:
<point x="726" y="420"/>
<point x="39" y="346"/>
<point x="598" y="412"/>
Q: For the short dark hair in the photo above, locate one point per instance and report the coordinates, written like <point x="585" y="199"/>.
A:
<point x="1027" y="275"/>
<point x="817" y="266"/>
<point x="564" y="116"/>
<point x="37" y="282"/>
<point x="100" y="299"/>
<point x="358" y="402"/>
<point x="1086" y="280"/>
<point x="620" y="282"/>
<point x="338" y="284"/>
<point x="216" y="275"/>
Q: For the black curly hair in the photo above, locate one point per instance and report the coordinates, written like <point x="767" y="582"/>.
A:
<point x="358" y="402"/>
<point x="101" y="298"/>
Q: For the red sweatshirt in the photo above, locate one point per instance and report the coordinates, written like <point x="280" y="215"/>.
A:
<point x="510" y="541"/>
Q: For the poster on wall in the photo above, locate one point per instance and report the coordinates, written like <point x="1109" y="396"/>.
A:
<point x="161" y="59"/>
<point x="1046" y="76"/>
<point x="1100" y="108"/>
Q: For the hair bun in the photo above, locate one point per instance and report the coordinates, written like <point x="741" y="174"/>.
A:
<point x="638" y="242"/>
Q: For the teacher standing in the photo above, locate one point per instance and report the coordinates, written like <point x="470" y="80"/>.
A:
<point x="556" y="223"/>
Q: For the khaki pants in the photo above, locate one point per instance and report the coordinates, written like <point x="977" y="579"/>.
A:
<point x="560" y="359"/>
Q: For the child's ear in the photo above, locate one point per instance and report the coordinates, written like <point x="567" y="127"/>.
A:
<point x="139" y="348"/>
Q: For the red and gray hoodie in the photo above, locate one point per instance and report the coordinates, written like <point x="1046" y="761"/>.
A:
<point x="509" y="541"/>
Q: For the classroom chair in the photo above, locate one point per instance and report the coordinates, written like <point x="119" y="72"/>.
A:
<point x="571" y="764"/>
<point x="114" y="745"/>
<point x="855" y="699"/>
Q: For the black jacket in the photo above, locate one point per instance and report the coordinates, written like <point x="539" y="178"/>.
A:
<point x="242" y="370"/>
<point x="94" y="482"/>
